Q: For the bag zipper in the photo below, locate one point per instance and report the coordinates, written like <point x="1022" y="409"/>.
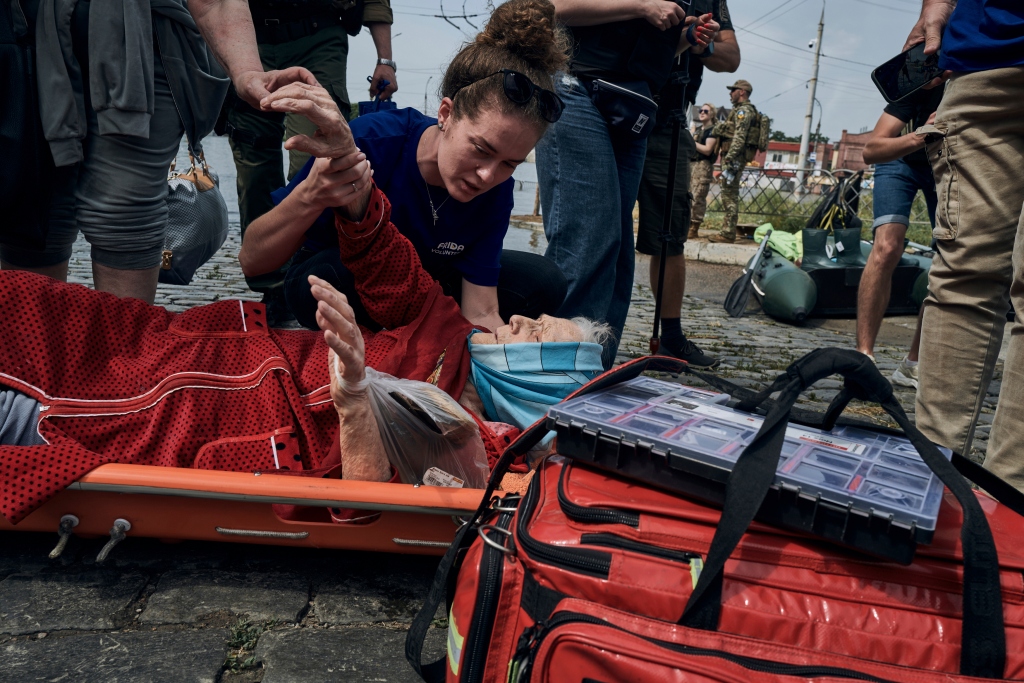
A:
<point x="624" y="91"/>
<point x="612" y="541"/>
<point x="585" y="560"/>
<point x="580" y="560"/>
<point x="532" y="638"/>
<point x="492" y="568"/>
<point x="579" y="513"/>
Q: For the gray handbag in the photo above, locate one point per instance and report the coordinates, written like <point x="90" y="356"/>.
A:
<point x="197" y="221"/>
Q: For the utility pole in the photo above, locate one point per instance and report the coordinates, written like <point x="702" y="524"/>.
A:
<point x="425" y="88"/>
<point x="806" y="137"/>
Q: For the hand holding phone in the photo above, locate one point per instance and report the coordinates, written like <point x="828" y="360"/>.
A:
<point x="906" y="73"/>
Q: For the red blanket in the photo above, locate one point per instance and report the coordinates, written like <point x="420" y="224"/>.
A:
<point x="213" y="387"/>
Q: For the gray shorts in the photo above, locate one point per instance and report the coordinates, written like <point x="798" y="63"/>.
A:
<point x="117" y="196"/>
<point x="18" y="417"/>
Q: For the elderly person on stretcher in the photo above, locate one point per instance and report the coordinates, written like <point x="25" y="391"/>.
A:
<point x="88" y="379"/>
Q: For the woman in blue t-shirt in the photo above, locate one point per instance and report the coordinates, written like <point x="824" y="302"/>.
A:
<point x="449" y="180"/>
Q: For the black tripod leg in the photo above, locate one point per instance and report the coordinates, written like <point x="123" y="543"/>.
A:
<point x="666" y="231"/>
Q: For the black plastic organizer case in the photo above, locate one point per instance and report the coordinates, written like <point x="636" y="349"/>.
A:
<point x="864" y="489"/>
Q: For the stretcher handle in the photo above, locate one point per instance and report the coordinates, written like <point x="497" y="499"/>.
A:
<point x="983" y="645"/>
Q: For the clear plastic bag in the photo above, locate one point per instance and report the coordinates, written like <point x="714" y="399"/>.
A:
<point x="429" y="438"/>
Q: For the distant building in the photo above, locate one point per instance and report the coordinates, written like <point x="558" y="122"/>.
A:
<point x="784" y="156"/>
<point x="850" y="151"/>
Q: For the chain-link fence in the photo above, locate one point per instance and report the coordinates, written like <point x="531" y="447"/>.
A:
<point x="770" y="196"/>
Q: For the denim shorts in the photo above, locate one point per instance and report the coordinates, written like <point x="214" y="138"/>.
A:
<point x="896" y="185"/>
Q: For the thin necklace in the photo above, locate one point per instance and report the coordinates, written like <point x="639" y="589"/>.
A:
<point x="434" y="210"/>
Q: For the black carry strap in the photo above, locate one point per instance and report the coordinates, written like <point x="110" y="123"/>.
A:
<point x="990" y="483"/>
<point x="983" y="649"/>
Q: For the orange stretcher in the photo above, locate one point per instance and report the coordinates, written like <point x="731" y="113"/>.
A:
<point x="206" y="505"/>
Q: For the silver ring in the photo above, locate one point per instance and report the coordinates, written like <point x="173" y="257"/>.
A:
<point x="354" y="187"/>
<point x="496" y="502"/>
<point x="494" y="544"/>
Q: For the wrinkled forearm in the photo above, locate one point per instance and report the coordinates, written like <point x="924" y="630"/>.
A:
<point x="362" y="450"/>
<point x="227" y="27"/>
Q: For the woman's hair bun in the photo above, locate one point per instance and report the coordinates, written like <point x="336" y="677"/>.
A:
<point x="527" y="29"/>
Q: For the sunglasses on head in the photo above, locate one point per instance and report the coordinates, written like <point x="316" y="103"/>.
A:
<point x="519" y="88"/>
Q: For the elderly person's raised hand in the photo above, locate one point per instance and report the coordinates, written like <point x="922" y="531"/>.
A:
<point x="336" y="318"/>
<point x="332" y="139"/>
<point x="363" y="454"/>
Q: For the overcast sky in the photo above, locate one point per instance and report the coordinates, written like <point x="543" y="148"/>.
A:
<point x="773" y="37"/>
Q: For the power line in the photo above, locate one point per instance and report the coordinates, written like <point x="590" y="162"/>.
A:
<point x="784" y="92"/>
<point x="771" y="11"/>
<point x="894" y="9"/>
<point x="803" y="56"/>
<point x="801" y="50"/>
<point x="779" y="16"/>
<point x="847" y="86"/>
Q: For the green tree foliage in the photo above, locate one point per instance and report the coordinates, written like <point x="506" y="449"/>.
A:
<point x="779" y="136"/>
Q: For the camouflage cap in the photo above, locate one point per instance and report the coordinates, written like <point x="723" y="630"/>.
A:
<point x="741" y="85"/>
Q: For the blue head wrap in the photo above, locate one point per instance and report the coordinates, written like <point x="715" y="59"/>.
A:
<point x="518" y="382"/>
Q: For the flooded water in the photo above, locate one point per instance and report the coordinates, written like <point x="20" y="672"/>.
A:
<point x="218" y="156"/>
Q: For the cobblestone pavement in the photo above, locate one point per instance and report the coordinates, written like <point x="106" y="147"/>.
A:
<point x="223" y="612"/>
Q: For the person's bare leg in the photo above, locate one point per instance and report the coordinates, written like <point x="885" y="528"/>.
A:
<point x="57" y="271"/>
<point x="876" y="283"/>
<point x="140" y="284"/>
<point x="675" y="284"/>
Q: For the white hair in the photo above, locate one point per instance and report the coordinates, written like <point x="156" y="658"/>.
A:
<point x="592" y="331"/>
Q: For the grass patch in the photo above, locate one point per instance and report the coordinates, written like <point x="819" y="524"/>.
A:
<point x="242" y="643"/>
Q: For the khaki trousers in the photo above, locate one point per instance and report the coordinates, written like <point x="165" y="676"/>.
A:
<point x="702" y="176"/>
<point x="979" y="177"/>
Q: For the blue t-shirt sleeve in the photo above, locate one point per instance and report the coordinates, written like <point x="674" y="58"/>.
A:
<point x="983" y="35"/>
<point x="481" y="263"/>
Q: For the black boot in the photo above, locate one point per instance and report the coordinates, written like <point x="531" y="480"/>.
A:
<point x="688" y="351"/>
<point x="851" y="255"/>
<point x="814" y="250"/>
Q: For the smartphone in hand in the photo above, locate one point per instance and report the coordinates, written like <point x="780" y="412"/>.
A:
<point x="906" y="73"/>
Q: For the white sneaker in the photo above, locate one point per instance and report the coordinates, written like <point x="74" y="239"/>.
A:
<point x="906" y="375"/>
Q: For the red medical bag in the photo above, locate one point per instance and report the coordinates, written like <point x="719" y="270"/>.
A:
<point x="595" y="578"/>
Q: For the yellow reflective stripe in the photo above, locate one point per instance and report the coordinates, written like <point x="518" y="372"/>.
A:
<point x="455" y="642"/>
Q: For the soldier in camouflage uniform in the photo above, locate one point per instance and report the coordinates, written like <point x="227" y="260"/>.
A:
<point x="703" y="173"/>
<point x="735" y="133"/>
